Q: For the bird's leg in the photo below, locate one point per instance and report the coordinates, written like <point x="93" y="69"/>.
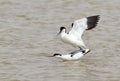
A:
<point x="80" y="48"/>
<point x="83" y="51"/>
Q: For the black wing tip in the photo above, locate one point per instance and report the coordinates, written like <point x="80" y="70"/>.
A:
<point x="92" y="21"/>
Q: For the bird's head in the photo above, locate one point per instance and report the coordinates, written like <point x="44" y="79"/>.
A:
<point x="57" y="55"/>
<point x="61" y="29"/>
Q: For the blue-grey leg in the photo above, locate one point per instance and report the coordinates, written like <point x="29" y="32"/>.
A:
<point x="83" y="51"/>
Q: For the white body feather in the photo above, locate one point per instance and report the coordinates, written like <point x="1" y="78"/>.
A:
<point x="74" y="36"/>
<point x="77" y="56"/>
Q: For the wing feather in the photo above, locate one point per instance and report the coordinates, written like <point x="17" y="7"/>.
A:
<point x="80" y="25"/>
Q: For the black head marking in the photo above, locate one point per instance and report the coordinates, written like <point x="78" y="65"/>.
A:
<point x="57" y="54"/>
<point x="92" y="21"/>
<point x="61" y="28"/>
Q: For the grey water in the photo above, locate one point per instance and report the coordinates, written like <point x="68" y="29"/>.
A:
<point x="28" y="30"/>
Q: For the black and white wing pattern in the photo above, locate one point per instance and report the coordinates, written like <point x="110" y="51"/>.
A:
<point x="79" y="26"/>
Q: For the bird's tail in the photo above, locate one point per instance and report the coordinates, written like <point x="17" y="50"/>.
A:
<point x="86" y="51"/>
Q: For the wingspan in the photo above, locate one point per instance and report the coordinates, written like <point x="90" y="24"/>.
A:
<point x="79" y="26"/>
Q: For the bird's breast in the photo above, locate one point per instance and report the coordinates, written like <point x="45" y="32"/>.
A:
<point x="68" y="40"/>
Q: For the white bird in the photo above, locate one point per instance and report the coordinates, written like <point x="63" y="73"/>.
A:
<point x="76" y="55"/>
<point x="78" y="27"/>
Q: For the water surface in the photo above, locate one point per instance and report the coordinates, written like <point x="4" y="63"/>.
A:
<point x="28" y="36"/>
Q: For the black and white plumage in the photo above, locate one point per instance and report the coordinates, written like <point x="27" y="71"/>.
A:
<point x="75" y="55"/>
<point x="78" y="27"/>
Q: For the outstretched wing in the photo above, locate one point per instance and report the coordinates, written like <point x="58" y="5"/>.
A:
<point x="79" y="26"/>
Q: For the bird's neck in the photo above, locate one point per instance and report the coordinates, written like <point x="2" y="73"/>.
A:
<point x="63" y="33"/>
